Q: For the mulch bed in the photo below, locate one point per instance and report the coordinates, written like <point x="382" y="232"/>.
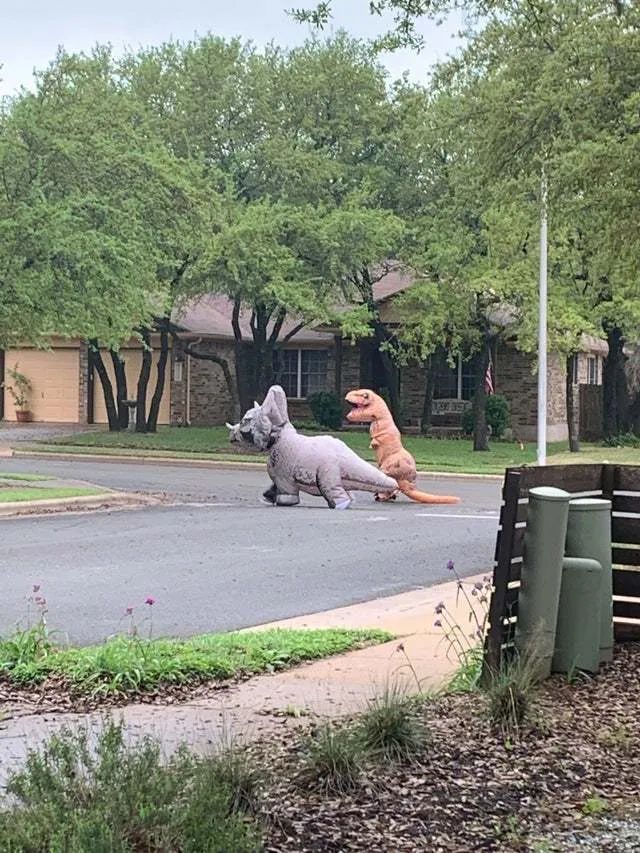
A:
<point x="471" y="791"/>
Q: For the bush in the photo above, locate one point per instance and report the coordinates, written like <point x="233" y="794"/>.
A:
<point x="333" y="760"/>
<point x="497" y="413"/>
<point x="119" y="799"/>
<point x="390" y="729"/>
<point x="326" y="409"/>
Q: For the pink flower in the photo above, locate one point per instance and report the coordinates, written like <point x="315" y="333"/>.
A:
<point x="150" y="601"/>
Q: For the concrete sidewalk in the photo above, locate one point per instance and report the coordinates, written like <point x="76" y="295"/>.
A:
<point x="324" y="689"/>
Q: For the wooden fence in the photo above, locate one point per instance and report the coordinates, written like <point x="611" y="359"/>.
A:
<point x="618" y="483"/>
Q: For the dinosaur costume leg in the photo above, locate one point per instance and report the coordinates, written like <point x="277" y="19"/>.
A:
<point x="329" y="482"/>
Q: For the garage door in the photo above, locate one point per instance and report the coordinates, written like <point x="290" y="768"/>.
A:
<point x="132" y="360"/>
<point x="54" y="377"/>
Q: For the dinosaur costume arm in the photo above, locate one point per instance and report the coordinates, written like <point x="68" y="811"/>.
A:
<point x="386" y="440"/>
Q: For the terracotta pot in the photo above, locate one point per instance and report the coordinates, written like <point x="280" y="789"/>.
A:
<point x="23" y="417"/>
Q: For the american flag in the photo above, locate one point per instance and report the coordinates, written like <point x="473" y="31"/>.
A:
<point x="488" y="380"/>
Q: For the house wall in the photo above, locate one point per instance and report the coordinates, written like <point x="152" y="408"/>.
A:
<point x="516" y="380"/>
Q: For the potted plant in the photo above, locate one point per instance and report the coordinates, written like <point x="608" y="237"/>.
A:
<point x="20" y="390"/>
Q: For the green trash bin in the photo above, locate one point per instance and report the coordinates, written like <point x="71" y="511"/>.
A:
<point x="589" y="535"/>
<point x="541" y="577"/>
<point x="578" y="627"/>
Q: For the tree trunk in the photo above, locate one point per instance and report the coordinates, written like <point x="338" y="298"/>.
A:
<point x="614" y="387"/>
<point x="427" y="407"/>
<point x="154" y="408"/>
<point x="107" y="388"/>
<point x="390" y="372"/>
<point x="572" y="415"/>
<point x="121" y="388"/>
<point x="143" y="382"/>
<point x="480" y="429"/>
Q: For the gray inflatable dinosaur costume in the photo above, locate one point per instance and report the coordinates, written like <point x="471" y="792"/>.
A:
<point x="317" y="465"/>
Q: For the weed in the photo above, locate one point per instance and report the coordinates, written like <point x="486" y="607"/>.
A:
<point x="74" y="796"/>
<point x="391" y="729"/>
<point x="333" y="759"/>
<point x="510" y="690"/>
<point x="594" y="805"/>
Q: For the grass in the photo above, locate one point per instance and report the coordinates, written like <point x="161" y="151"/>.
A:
<point x="25" y="478"/>
<point x="132" y="665"/>
<point x="117" y="798"/>
<point x="34" y="493"/>
<point x="431" y="454"/>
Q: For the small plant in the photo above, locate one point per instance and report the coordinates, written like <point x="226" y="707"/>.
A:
<point x="326" y="408"/>
<point x="510" y="690"/>
<point x="594" y="805"/>
<point x="333" y="759"/>
<point x="20" y="389"/>
<point x="497" y="414"/>
<point x="74" y="796"/>
<point x="391" y="729"/>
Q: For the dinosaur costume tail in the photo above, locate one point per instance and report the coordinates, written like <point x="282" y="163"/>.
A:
<point x="415" y="494"/>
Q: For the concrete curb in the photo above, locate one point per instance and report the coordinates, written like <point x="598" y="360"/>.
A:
<point x="211" y="463"/>
<point x="87" y="502"/>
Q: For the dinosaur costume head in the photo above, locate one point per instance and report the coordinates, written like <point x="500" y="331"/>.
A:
<point x="367" y="406"/>
<point x="261" y="425"/>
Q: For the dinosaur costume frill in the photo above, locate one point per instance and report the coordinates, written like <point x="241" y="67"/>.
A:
<point x="317" y="465"/>
<point x="393" y="458"/>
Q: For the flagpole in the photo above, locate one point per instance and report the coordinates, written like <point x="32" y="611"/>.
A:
<point x="542" y="329"/>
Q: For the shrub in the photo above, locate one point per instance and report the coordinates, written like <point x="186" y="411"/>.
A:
<point x="510" y="691"/>
<point x="497" y="413"/>
<point x="119" y="799"/>
<point x="391" y="729"/>
<point x="333" y="759"/>
<point x="326" y="409"/>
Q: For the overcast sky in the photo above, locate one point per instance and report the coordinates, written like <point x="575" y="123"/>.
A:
<point x="32" y="30"/>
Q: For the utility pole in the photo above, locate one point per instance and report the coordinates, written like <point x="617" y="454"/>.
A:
<point x="542" y="328"/>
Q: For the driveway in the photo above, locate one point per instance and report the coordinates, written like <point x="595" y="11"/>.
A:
<point x="215" y="558"/>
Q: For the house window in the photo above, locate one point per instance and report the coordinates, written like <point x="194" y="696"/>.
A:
<point x="304" y="371"/>
<point x="592" y="370"/>
<point x="454" y="383"/>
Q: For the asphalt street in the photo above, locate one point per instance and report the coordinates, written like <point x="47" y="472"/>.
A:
<point x="214" y="558"/>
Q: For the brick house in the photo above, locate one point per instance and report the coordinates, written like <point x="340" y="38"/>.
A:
<point x="65" y="389"/>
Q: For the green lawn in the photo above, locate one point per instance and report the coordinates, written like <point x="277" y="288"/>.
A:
<point x="452" y="455"/>
<point x="130" y="665"/>
<point x="11" y="494"/>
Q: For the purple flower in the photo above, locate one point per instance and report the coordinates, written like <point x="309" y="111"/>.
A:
<point x="440" y="607"/>
<point x="437" y="624"/>
<point x="451" y="565"/>
<point x="150" y="601"/>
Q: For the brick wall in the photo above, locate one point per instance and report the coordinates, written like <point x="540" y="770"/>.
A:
<point x="516" y="381"/>
<point x="83" y="381"/>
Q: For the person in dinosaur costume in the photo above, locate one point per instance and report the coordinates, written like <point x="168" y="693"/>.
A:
<point x="393" y="459"/>
<point x="317" y="465"/>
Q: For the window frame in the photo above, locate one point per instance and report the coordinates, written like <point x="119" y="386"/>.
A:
<point x="299" y="350"/>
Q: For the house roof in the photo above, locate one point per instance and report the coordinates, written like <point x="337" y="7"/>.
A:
<point x="210" y="316"/>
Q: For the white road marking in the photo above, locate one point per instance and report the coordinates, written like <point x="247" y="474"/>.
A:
<point x="456" y="515"/>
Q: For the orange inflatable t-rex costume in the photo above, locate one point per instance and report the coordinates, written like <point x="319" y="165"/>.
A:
<point x="393" y="459"/>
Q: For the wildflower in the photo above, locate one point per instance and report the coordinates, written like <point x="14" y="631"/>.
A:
<point x="150" y="601"/>
<point x="451" y="565"/>
<point x="439" y="608"/>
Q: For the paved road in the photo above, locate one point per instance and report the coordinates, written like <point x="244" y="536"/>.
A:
<point x="217" y="559"/>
